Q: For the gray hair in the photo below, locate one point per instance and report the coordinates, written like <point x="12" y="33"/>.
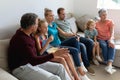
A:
<point x="101" y="11"/>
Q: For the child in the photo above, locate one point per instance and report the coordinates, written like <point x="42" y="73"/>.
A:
<point x="91" y="33"/>
<point x="42" y="43"/>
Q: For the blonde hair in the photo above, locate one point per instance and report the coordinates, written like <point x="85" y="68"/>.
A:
<point x="88" y="23"/>
<point x="40" y="22"/>
<point x="46" y="11"/>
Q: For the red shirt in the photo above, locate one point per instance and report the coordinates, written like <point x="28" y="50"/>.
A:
<point x="22" y="50"/>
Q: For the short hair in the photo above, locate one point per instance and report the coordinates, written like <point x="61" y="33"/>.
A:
<point x="46" y="11"/>
<point x="28" y="20"/>
<point x="60" y="9"/>
<point x="88" y="23"/>
<point x="101" y="11"/>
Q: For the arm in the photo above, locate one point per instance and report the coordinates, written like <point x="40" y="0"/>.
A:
<point x="42" y="49"/>
<point x="64" y="33"/>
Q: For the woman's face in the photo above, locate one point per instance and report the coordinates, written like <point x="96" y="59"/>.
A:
<point x="50" y="17"/>
<point x="103" y="16"/>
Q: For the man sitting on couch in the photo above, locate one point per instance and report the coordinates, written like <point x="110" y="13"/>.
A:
<point x="22" y="55"/>
<point x="84" y="43"/>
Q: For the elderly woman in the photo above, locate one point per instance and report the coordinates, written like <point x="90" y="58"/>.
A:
<point x="105" y="28"/>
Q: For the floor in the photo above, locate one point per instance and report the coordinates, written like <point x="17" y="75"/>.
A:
<point x="100" y="74"/>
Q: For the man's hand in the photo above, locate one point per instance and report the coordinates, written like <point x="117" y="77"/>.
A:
<point x="61" y="51"/>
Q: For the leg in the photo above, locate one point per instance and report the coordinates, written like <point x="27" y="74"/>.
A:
<point x="84" y="55"/>
<point x="55" y="68"/>
<point x="89" y="45"/>
<point x="70" y="63"/>
<point x="63" y="61"/>
<point x="29" y="72"/>
<point x="103" y="45"/>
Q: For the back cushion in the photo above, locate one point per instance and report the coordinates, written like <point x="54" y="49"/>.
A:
<point x="3" y="53"/>
<point x="73" y="24"/>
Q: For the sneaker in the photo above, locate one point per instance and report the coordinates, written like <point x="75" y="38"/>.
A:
<point x="110" y="70"/>
<point x="95" y="62"/>
<point x="83" y="67"/>
<point x="84" y="77"/>
<point x="99" y="58"/>
<point x="91" y="71"/>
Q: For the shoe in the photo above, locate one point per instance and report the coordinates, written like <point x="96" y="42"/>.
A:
<point x="84" y="77"/>
<point x="91" y="71"/>
<point x="99" y="58"/>
<point x="110" y="70"/>
<point x="96" y="62"/>
<point x="83" y="67"/>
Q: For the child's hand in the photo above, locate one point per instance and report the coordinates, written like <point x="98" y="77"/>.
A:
<point x="50" y="39"/>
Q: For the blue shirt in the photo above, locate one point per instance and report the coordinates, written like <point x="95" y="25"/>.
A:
<point x="52" y="30"/>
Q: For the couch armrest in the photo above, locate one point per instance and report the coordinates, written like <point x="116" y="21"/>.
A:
<point x="4" y="75"/>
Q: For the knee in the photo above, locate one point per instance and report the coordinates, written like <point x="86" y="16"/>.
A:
<point x="62" y="60"/>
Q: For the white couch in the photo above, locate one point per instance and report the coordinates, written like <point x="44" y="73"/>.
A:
<point x="4" y="71"/>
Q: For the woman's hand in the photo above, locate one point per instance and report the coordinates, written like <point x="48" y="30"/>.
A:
<point x="111" y="44"/>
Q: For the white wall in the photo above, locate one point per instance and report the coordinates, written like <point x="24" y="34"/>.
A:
<point x="82" y="7"/>
<point x="12" y="10"/>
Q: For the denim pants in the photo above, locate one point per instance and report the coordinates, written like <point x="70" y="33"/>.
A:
<point x="73" y="46"/>
<point x="108" y="52"/>
<point x="45" y="71"/>
<point x="89" y="46"/>
<point x="84" y="55"/>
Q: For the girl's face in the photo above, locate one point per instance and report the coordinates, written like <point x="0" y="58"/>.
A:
<point x="44" y="28"/>
<point x="92" y="25"/>
<point x="50" y="17"/>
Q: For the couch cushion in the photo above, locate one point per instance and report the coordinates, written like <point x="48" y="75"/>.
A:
<point x="6" y="76"/>
<point x="3" y="53"/>
<point x="81" y="21"/>
<point x="73" y="24"/>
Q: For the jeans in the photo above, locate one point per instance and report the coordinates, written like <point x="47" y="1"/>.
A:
<point x="45" y="71"/>
<point x="89" y="46"/>
<point x="108" y="52"/>
<point x="73" y="46"/>
<point x="84" y="55"/>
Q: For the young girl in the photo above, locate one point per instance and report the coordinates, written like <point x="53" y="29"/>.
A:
<point x="91" y="33"/>
<point x="42" y="43"/>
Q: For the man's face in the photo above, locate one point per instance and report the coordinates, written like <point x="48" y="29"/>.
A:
<point x="62" y="15"/>
<point x="35" y="26"/>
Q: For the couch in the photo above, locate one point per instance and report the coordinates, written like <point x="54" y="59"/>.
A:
<point x="5" y="38"/>
<point x="4" y="71"/>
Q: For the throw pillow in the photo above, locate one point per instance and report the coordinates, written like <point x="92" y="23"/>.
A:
<point x="73" y="24"/>
<point x="81" y="21"/>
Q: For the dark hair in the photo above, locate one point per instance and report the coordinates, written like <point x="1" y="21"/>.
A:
<point x="60" y="9"/>
<point x="28" y="19"/>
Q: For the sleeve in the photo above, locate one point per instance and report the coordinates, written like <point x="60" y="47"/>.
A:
<point x="33" y="58"/>
<point x="95" y="32"/>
